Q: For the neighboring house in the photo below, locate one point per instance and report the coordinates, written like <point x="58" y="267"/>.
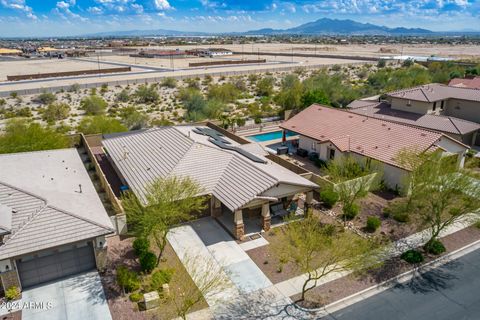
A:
<point x="459" y="129"/>
<point x="52" y="221"/>
<point x="473" y="83"/>
<point x="438" y="99"/>
<point x="334" y="133"/>
<point x="241" y="182"/>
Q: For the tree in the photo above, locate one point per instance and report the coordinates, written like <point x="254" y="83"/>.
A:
<point x="100" y="124"/>
<point x="314" y="96"/>
<point x="440" y="193"/>
<point x="226" y="92"/>
<point x="290" y="95"/>
<point x="55" y="112"/>
<point x="318" y="250"/>
<point x="147" y="94"/>
<point x="93" y="105"/>
<point x="208" y="280"/>
<point x="23" y="136"/>
<point x="46" y="98"/>
<point x="265" y="86"/>
<point x="351" y="183"/>
<point x="133" y="119"/>
<point x="167" y="202"/>
<point x="194" y="102"/>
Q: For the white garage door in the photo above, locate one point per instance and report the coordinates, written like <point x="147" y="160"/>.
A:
<point x="54" y="264"/>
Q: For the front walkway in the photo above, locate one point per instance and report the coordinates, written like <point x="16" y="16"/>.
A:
<point x="78" y="297"/>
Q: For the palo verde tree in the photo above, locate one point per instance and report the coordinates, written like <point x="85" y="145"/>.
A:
<point x="167" y="202"/>
<point x="440" y="192"/>
<point x="318" y="250"/>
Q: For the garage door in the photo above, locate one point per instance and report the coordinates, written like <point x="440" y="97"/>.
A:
<point x="54" y="264"/>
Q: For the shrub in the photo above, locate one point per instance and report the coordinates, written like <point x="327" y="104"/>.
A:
<point x="141" y="246"/>
<point x="328" y="197"/>
<point x="169" y="83"/>
<point x="55" y="112"/>
<point x="46" y="98"/>
<point x="412" y="256"/>
<point x="13" y="94"/>
<point x="123" y="96"/>
<point x="373" y="223"/>
<point x="401" y="217"/>
<point x="147" y="94"/>
<point x="136" y="297"/>
<point x="477" y="224"/>
<point x="127" y="279"/>
<point x="12" y="293"/>
<point x="320" y="163"/>
<point x="93" y="105"/>
<point x="350" y="211"/>
<point x="435" y="247"/>
<point x="104" y="88"/>
<point x="100" y="124"/>
<point x="161" y="277"/>
<point x="74" y="87"/>
<point x="148" y="261"/>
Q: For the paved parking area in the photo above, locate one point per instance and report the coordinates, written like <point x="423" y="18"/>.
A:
<point x="78" y="297"/>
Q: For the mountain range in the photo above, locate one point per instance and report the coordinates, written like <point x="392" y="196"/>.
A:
<point x="324" y="26"/>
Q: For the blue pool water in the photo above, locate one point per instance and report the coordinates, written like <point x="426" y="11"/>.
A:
<point x="262" y="137"/>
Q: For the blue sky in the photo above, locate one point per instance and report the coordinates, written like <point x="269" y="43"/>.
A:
<point x="74" y="17"/>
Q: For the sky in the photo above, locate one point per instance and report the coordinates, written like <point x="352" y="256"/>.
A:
<point x="78" y="17"/>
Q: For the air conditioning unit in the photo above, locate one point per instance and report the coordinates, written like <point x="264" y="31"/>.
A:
<point x="5" y="265"/>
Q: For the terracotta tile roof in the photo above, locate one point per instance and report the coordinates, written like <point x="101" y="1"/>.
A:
<point x="371" y="137"/>
<point x="465" y="83"/>
<point x="436" y="92"/>
<point x="382" y="110"/>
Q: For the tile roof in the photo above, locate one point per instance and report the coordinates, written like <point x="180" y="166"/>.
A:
<point x="465" y="83"/>
<point x="371" y="137"/>
<point x="231" y="177"/>
<point x="47" y="206"/>
<point x="383" y="110"/>
<point x="436" y="92"/>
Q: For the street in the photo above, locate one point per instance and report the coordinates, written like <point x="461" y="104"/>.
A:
<point x="448" y="292"/>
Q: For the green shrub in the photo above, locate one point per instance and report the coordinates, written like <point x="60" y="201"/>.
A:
<point x="435" y="247"/>
<point x="136" y="297"/>
<point x="12" y="293"/>
<point x="350" y="211"/>
<point x="412" y="256"/>
<point x="55" y="112"/>
<point x="127" y="279"/>
<point x="169" y="83"/>
<point x="141" y="246"/>
<point x="401" y="217"/>
<point x="148" y="261"/>
<point x="373" y="223"/>
<point x="161" y="277"/>
<point x="100" y="124"/>
<point x="477" y="224"/>
<point x="147" y="94"/>
<point x="328" y="197"/>
<point x="123" y="96"/>
<point x="320" y="163"/>
<point x="46" y="98"/>
<point x="93" y="105"/>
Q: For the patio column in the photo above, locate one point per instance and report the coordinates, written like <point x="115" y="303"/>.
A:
<point x="284" y="136"/>
<point x="239" y="229"/>
<point x="308" y="202"/>
<point x="215" y="207"/>
<point x="266" y="218"/>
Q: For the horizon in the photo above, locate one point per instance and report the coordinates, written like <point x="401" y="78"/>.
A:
<point x="69" y="18"/>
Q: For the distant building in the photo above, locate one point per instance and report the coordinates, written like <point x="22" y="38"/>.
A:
<point x="210" y="52"/>
<point x="9" y="52"/>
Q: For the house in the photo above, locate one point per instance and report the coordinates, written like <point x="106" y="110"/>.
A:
<point x="52" y="221"/>
<point x="333" y="133"/>
<point x="459" y="129"/>
<point x="245" y="189"/>
<point x="438" y="99"/>
<point x="473" y="83"/>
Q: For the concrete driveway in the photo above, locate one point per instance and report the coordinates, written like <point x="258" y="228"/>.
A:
<point x="77" y="297"/>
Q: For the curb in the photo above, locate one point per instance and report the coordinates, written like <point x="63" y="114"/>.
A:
<point x="387" y="284"/>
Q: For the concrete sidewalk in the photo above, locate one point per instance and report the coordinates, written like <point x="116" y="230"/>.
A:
<point x="293" y="286"/>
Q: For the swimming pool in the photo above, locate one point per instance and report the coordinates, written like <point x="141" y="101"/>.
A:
<point x="262" y="137"/>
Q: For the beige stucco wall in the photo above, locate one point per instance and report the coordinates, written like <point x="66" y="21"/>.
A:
<point x="284" y="190"/>
<point x="468" y="110"/>
<point x="312" y="145"/>
<point x="453" y="147"/>
<point x="415" y="106"/>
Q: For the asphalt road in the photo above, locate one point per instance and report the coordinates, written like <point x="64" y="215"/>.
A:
<point x="450" y="292"/>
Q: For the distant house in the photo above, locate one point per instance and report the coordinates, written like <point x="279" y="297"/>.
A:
<point x="210" y="52"/>
<point x="245" y="189"/>
<point x="52" y="221"/>
<point x="472" y="83"/>
<point x="459" y="129"/>
<point x="334" y="133"/>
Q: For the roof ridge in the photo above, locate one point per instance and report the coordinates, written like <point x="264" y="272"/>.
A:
<point x="24" y="191"/>
<point x="453" y="123"/>
<point x="29" y="220"/>
<point x="79" y="217"/>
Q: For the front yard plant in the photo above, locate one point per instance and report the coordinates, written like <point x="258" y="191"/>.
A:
<point x="128" y="280"/>
<point x="412" y="256"/>
<point x="435" y="247"/>
<point x="373" y="223"/>
<point x="12" y="293"/>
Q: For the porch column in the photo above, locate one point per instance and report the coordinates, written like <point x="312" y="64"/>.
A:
<point x="215" y="207"/>
<point x="239" y="229"/>
<point x="308" y="202"/>
<point x="266" y="218"/>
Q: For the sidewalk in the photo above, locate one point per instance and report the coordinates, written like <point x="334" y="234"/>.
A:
<point x="293" y="286"/>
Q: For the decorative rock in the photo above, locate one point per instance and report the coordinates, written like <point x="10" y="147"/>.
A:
<point x="166" y="289"/>
<point x="151" y="300"/>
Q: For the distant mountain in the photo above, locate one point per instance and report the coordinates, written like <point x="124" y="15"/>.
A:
<point x="327" y="26"/>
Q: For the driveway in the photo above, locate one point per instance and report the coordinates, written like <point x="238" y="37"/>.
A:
<point x="447" y="292"/>
<point x="77" y="297"/>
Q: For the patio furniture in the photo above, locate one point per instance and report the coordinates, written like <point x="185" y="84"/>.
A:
<point x="277" y="210"/>
<point x="282" y="150"/>
<point x="302" y="152"/>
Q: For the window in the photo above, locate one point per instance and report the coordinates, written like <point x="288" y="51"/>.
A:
<point x="434" y="105"/>
<point x="409" y="103"/>
<point x="442" y="104"/>
<point x="331" y="154"/>
<point x="314" y="145"/>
